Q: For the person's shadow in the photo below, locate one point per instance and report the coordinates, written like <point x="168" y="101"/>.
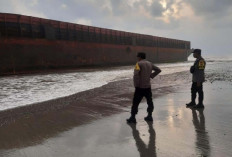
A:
<point x="202" y="138"/>
<point x="150" y="149"/>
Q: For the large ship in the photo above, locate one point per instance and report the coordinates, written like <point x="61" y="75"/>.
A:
<point x="31" y="44"/>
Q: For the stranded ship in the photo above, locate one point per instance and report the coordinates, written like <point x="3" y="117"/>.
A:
<point x="31" y="44"/>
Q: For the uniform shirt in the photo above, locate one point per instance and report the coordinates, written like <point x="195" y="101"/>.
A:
<point x="143" y="73"/>
<point x="199" y="70"/>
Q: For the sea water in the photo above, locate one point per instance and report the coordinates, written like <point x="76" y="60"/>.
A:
<point x="23" y="90"/>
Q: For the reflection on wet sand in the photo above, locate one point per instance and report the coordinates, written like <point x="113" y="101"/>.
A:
<point x="202" y="138"/>
<point x="150" y="149"/>
<point x="33" y="124"/>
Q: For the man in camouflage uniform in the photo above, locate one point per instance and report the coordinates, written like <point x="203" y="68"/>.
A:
<point x="142" y="75"/>
<point x="198" y="77"/>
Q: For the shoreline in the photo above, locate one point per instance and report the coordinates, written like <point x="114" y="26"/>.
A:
<point x="176" y="130"/>
<point x="58" y="103"/>
<point x="47" y="119"/>
<point x="66" y="70"/>
<point x="93" y="123"/>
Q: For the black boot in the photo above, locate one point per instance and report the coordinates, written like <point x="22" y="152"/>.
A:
<point x="131" y="119"/>
<point x="200" y="105"/>
<point x="149" y="117"/>
<point x="192" y="103"/>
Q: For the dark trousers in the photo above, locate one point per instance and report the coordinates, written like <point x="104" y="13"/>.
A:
<point x="138" y="96"/>
<point x="199" y="90"/>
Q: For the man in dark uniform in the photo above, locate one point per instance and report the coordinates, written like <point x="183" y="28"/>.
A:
<point x="142" y="75"/>
<point x="198" y="77"/>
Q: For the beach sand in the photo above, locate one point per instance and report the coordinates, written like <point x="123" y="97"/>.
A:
<point x="93" y="123"/>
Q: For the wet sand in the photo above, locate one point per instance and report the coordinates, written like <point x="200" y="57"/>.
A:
<point x="92" y="123"/>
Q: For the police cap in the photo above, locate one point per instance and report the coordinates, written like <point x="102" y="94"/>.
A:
<point x="198" y="51"/>
<point x="141" y="55"/>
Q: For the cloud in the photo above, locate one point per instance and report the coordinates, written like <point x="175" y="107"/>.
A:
<point x="83" y="21"/>
<point x="206" y="23"/>
<point x="63" y="6"/>
<point x="211" y="9"/>
<point x="25" y="7"/>
<point x="156" y="9"/>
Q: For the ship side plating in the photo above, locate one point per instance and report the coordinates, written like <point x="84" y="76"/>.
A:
<point x="34" y="44"/>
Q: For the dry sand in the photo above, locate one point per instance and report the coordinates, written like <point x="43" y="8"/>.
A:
<point x="92" y="123"/>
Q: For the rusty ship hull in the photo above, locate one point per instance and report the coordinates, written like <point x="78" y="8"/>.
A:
<point x="31" y="44"/>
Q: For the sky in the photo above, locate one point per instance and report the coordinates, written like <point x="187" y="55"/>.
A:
<point x="207" y="24"/>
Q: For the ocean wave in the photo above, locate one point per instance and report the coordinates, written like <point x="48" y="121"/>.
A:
<point x="23" y="90"/>
<point x="212" y="77"/>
